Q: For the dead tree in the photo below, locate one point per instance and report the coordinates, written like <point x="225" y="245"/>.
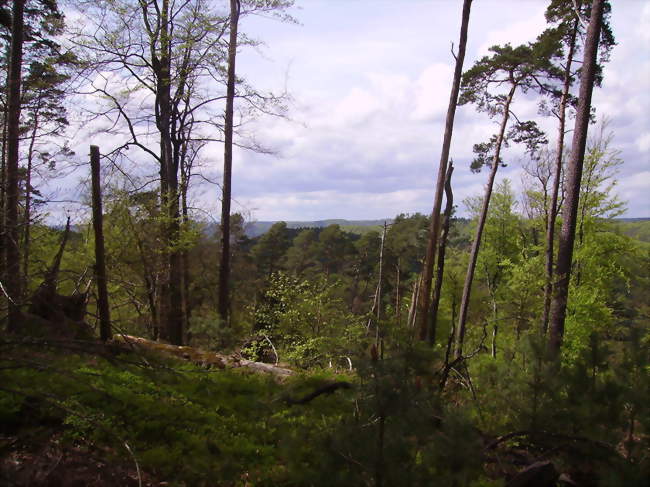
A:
<point x="100" y="260"/>
<point x="427" y="270"/>
<point x="224" y="268"/>
<point x="60" y="314"/>
<point x="442" y="248"/>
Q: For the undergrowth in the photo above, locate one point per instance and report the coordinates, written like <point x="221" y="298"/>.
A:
<point x="179" y="422"/>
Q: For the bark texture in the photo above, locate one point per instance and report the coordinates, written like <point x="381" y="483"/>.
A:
<point x="171" y="299"/>
<point x="424" y="296"/>
<point x="557" y="174"/>
<point x="573" y="179"/>
<point x="224" y="268"/>
<point x="100" y="259"/>
<point x="442" y="248"/>
<point x="12" y="233"/>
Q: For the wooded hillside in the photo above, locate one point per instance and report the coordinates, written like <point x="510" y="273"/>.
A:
<point x="501" y="340"/>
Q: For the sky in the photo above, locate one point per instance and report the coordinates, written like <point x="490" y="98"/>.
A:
<point x="369" y="82"/>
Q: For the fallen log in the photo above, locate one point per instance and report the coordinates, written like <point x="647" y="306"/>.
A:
<point x="201" y="357"/>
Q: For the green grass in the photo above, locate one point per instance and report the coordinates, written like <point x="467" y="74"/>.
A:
<point x="186" y="425"/>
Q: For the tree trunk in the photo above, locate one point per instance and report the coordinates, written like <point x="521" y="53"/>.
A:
<point x="224" y="268"/>
<point x="442" y="248"/>
<point x="173" y="312"/>
<point x="185" y="181"/>
<point x="410" y="321"/>
<point x="376" y="302"/>
<point x="422" y="316"/>
<point x="467" y="287"/>
<point x="13" y="278"/>
<point x="100" y="260"/>
<point x="28" y="201"/>
<point x="398" y="304"/>
<point x="379" y="339"/>
<point x="574" y="175"/>
<point x="3" y="192"/>
<point x="553" y="210"/>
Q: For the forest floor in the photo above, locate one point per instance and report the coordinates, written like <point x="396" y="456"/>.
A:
<point x="142" y="413"/>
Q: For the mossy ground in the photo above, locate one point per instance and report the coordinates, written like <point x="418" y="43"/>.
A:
<point x="182" y="423"/>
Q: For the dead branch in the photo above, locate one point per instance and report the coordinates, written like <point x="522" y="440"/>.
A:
<point x="326" y="389"/>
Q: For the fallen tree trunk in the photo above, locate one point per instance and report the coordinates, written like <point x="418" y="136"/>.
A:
<point x="202" y="357"/>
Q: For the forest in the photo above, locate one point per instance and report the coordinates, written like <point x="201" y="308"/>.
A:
<point x="500" y="340"/>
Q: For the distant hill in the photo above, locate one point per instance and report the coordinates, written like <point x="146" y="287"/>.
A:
<point x="255" y="229"/>
<point x="637" y="228"/>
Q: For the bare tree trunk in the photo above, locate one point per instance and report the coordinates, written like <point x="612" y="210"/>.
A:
<point x="574" y="175"/>
<point x="185" y="255"/>
<point x="173" y="312"/>
<point x="422" y="317"/>
<point x="3" y="194"/>
<point x="100" y="260"/>
<point x="12" y="249"/>
<point x="442" y="248"/>
<point x="376" y="304"/>
<point x="467" y="287"/>
<point x="553" y="210"/>
<point x="397" y="296"/>
<point x="28" y="202"/>
<point x="410" y="321"/>
<point x="224" y="268"/>
<point x="162" y="304"/>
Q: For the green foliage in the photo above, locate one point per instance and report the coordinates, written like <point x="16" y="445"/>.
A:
<point x="306" y="320"/>
<point x="637" y="230"/>
<point x="183" y="424"/>
<point x="396" y="432"/>
<point x="271" y="248"/>
<point x="587" y="405"/>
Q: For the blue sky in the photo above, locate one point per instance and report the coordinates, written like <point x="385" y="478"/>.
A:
<point x="370" y="80"/>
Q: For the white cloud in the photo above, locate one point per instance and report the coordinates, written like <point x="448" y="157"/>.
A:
<point x="515" y="33"/>
<point x="371" y="84"/>
<point x="643" y="142"/>
<point x="431" y="92"/>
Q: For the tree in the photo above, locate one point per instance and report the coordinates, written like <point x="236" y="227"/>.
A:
<point x="522" y="68"/>
<point x="46" y="116"/>
<point x="13" y="281"/>
<point x="600" y="269"/>
<point x="442" y="249"/>
<point x="136" y="265"/>
<point x="302" y="254"/>
<point x="43" y="115"/>
<point x="268" y="253"/>
<point x="158" y="53"/>
<point x="501" y="249"/>
<point x="574" y="175"/>
<point x="366" y="256"/>
<point x="424" y="315"/>
<point x="100" y="259"/>
<point x="224" y="267"/>
<point x="334" y="248"/>
<point x="277" y="6"/>
<point x="569" y="30"/>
